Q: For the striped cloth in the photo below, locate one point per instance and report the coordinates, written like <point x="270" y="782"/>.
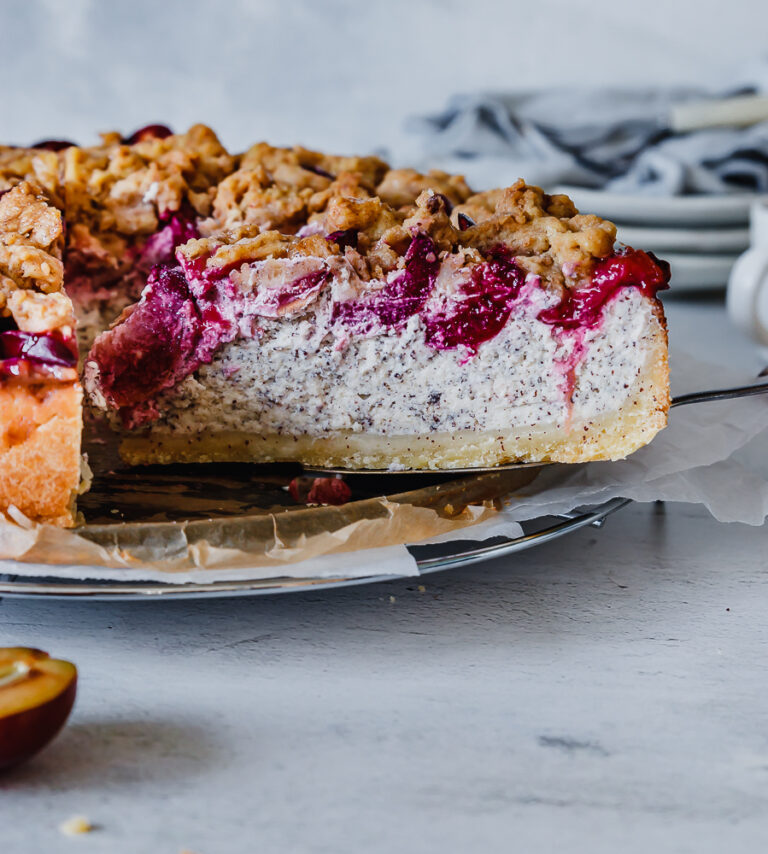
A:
<point x="605" y="139"/>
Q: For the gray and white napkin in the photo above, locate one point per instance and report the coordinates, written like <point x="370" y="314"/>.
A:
<point x="619" y="140"/>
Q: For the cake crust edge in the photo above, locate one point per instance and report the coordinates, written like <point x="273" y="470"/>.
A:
<point x="40" y="461"/>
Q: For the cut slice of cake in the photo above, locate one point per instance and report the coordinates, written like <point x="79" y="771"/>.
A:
<point x="343" y="315"/>
<point x="40" y="394"/>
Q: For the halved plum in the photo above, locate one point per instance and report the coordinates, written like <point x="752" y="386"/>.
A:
<point x="37" y="693"/>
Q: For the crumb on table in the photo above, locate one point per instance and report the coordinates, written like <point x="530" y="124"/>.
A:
<point x="75" y="825"/>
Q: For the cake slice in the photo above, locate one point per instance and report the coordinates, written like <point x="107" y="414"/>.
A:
<point x="40" y="394"/>
<point x="341" y="314"/>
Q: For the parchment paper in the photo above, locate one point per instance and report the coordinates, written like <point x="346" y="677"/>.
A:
<point x="363" y="537"/>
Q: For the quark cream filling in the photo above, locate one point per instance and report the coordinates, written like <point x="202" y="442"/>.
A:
<point x="437" y="344"/>
<point x="291" y="380"/>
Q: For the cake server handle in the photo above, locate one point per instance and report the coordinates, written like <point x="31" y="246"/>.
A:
<point x="719" y="394"/>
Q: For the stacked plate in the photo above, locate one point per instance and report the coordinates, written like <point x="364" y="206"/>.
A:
<point x="700" y="236"/>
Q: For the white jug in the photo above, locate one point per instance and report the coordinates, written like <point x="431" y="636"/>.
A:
<point x="747" y="297"/>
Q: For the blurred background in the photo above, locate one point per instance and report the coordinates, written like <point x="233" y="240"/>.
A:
<point x="600" y="83"/>
<point x="339" y="74"/>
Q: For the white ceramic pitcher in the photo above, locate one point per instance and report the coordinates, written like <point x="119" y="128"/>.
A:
<point x="748" y="283"/>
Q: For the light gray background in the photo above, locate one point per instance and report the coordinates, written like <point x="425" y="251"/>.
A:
<point x="604" y="693"/>
<point x="337" y="73"/>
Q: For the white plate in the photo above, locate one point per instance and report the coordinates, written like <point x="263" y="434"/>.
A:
<point x="698" y="240"/>
<point x="694" y="272"/>
<point x="663" y="210"/>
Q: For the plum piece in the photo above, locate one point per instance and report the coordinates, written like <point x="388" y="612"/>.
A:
<point x="403" y="296"/>
<point x="319" y="490"/>
<point x="465" y="221"/>
<point x="439" y="201"/>
<point x="484" y="308"/>
<point x="160" y="340"/>
<point x="43" y="348"/>
<point x="148" y="132"/>
<point x="36" y="696"/>
<point x="345" y="237"/>
<point x="627" y="267"/>
<point x="54" y="144"/>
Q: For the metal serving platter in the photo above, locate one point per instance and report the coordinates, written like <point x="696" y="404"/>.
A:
<point x="451" y="555"/>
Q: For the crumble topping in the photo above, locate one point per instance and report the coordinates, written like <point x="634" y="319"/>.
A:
<point x="285" y="188"/>
<point x="36" y="312"/>
<point x="132" y="188"/>
<point x="120" y="195"/>
<point x="401" y="187"/>
<point x="120" y="192"/>
<point x="544" y="233"/>
<point x="36" y="317"/>
<point x="30" y="248"/>
<point x="30" y="164"/>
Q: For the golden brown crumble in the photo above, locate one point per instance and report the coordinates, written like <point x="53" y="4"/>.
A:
<point x="544" y="233"/>
<point x="293" y="191"/>
<point x="30" y="260"/>
<point x="533" y="224"/>
<point x="401" y="187"/>
<point x="115" y="195"/>
<point x="294" y="166"/>
<point x="31" y="164"/>
<point x="127" y="187"/>
<point x="268" y="244"/>
<point x="285" y="188"/>
<point x="275" y="202"/>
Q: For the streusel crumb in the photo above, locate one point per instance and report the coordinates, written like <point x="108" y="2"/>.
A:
<point x="544" y="233"/>
<point x="129" y="187"/>
<point x="30" y="247"/>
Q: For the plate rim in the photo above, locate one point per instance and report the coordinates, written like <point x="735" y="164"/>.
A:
<point x="638" y="208"/>
<point x="703" y="241"/>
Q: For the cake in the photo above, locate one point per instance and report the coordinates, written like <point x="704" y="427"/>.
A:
<point x="286" y="305"/>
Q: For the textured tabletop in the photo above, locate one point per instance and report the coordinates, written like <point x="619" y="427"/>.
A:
<point x="606" y="692"/>
<point x="603" y="693"/>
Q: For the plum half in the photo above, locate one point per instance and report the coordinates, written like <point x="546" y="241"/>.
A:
<point x="36" y="696"/>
